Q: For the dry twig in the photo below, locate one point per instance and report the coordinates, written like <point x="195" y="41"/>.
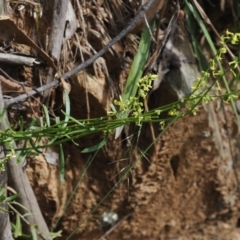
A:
<point x="85" y="64"/>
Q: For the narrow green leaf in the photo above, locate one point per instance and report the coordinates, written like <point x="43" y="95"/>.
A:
<point x="8" y="199"/>
<point x="18" y="227"/>
<point x="113" y="108"/>
<point x="2" y="113"/>
<point x="20" y="205"/>
<point x="95" y="147"/>
<point x="67" y="104"/>
<point x="214" y="51"/>
<point x="46" y="115"/>
<point x="57" y="120"/>
<point x="3" y="210"/>
<point x="138" y="64"/>
<point x="202" y="26"/>
<point x="137" y="68"/>
<point x="21" y="124"/>
<point x="31" y="125"/>
<point x="34" y="232"/>
<point x="54" y="235"/>
<point x="41" y="122"/>
<point x="62" y="163"/>
<point x="2" y="191"/>
<point x="67" y="113"/>
<point x="23" y="153"/>
<point x="193" y="28"/>
<point x="34" y="144"/>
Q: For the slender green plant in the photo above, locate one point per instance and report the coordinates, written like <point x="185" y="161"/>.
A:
<point x="4" y="199"/>
<point x="17" y="226"/>
<point x="69" y="128"/>
<point x="216" y="63"/>
<point x="135" y="74"/>
<point x="128" y="109"/>
<point x="203" y="92"/>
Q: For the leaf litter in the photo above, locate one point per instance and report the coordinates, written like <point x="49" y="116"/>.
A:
<point x="187" y="190"/>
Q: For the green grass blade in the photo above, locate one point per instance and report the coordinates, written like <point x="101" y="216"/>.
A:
<point x="18" y="227"/>
<point x="95" y="147"/>
<point x="137" y="68"/>
<point x="192" y="27"/>
<point x="67" y="104"/>
<point x="214" y="51"/>
<point x="34" y="232"/>
<point x="138" y="64"/>
<point x="46" y="115"/>
<point x="62" y="163"/>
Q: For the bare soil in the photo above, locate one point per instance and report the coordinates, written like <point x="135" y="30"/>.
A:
<point x="186" y="187"/>
<point x="185" y="190"/>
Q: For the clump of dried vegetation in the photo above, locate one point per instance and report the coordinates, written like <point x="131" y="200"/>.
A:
<point x="41" y="47"/>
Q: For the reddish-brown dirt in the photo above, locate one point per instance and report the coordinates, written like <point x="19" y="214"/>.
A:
<point x="186" y="186"/>
<point x="185" y="190"/>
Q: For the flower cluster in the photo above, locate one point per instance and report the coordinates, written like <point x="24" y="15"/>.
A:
<point x="8" y="156"/>
<point x="145" y="84"/>
<point x="133" y="106"/>
<point x="203" y="91"/>
<point x="201" y="87"/>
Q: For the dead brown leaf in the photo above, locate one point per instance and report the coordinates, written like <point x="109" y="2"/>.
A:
<point x="10" y="86"/>
<point x="150" y="13"/>
<point x="66" y="86"/>
<point x="10" y="32"/>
